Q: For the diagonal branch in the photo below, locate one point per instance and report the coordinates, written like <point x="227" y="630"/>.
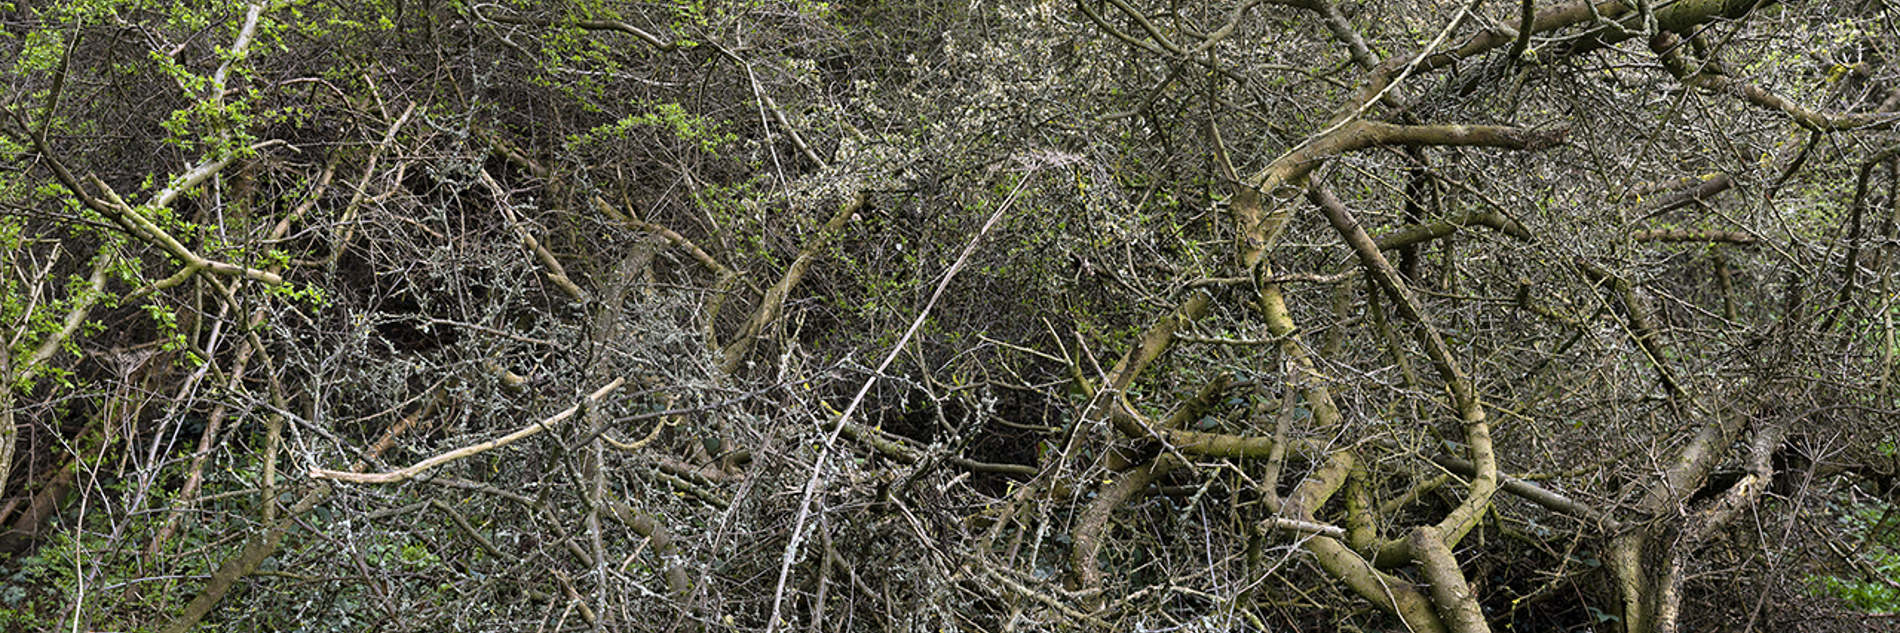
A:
<point x="1458" y="386"/>
<point x="133" y="222"/>
<point x="1667" y="46"/>
<point x="412" y="472"/>
<point x="557" y="274"/>
<point x="773" y="303"/>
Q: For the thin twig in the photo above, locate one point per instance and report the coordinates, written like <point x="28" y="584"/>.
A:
<point x="817" y="480"/>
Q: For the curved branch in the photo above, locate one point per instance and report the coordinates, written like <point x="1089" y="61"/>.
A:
<point x="1149" y="347"/>
<point x="1389" y="593"/>
<point x="1286" y="176"/>
<point x="1458" y="386"/>
<point x="1093" y="523"/>
<point x="419" y="468"/>
<point x="1665" y="44"/>
<point x="1226" y="30"/>
<point x="1426" y="232"/>
<point x="1450" y="592"/>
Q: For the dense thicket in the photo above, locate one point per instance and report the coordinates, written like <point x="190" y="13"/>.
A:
<point x="1115" y="315"/>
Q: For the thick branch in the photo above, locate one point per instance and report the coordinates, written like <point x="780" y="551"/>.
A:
<point x="773" y="302"/>
<point x="1456" y="604"/>
<point x="1440" y="228"/>
<point x="135" y="223"/>
<point x="258" y="547"/>
<point x="723" y="277"/>
<point x="663" y="547"/>
<point x="1706" y="522"/>
<point x="1286" y="176"/>
<point x="1389" y="593"/>
<point x="1093" y="524"/>
<point x="1150" y="346"/>
<point x="1703" y="188"/>
<point x="1666" y="45"/>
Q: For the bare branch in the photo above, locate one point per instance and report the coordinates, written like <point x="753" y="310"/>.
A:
<point x="423" y="466"/>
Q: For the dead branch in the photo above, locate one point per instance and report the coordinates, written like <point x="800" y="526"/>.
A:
<point x="469" y="451"/>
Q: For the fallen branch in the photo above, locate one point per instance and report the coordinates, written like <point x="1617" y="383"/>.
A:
<point x="1425" y="232"/>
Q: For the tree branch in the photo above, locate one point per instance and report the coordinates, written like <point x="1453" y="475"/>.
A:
<point x="468" y="451"/>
